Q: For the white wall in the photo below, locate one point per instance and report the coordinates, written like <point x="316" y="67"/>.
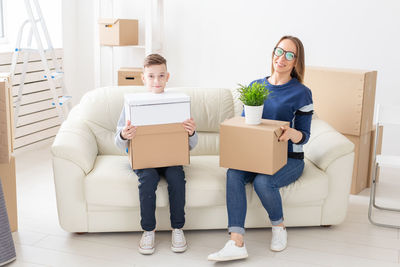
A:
<point x="222" y="43"/>
<point x="78" y="42"/>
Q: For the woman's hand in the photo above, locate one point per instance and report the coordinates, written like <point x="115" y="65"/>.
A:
<point x="290" y="133"/>
<point x="129" y="131"/>
<point x="190" y="126"/>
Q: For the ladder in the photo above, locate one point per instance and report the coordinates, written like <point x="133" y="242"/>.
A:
<point x="36" y="21"/>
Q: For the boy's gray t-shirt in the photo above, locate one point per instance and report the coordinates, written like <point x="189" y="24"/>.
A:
<point x="123" y="144"/>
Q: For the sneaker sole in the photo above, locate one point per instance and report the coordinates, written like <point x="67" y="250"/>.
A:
<point x="278" y="250"/>
<point x="179" y="249"/>
<point x="146" y="251"/>
<point x="229" y="258"/>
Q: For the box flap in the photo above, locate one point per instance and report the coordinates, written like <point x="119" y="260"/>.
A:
<point x="265" y="125"/>
<point x="108" y="21"/>
<point x="141" y="99"/>
<point x="160" y="128"/>
<point x="278" y="132"/>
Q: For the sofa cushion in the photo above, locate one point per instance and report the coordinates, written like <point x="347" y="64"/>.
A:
<point x="101" y="108"/>
<point x="208" y="144"/>
<point x="113" y="183"/>
<point x="321" y="152"/>
<point x="209" y="106"/>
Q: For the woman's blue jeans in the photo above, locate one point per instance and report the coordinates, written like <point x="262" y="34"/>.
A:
<point x="267" y="189"/>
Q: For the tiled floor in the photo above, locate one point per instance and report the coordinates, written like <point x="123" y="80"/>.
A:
<point x="41" y="242"/>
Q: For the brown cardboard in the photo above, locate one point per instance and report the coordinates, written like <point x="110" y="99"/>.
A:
<point x="6" y="119"/>
<point x="371" y="154"/>
<point x="118" y="32"/>
<point x="361" y="161"/>
<point x="130" y="76"/>
<point x="8" y="181"/>
<point x="252" y="148"/>
<point x="159" y="146"/>
<point x="343" y="98"/>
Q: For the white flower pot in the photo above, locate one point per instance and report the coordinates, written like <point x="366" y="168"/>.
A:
<point x="253" y="114"/>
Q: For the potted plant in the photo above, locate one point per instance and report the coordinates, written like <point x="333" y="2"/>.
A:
<point x="253" y="97"/>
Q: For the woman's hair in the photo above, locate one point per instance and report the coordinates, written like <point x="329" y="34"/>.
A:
<point x="299" y="67"/>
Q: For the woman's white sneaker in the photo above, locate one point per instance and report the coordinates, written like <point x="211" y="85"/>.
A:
<point x="229" y="252"/>
<point x="146" y="245"/>
<point x="279" y="238"/>
<point x="178" y="241"/>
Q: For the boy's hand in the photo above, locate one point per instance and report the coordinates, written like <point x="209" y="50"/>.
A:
<point x="129" y="131"/>
<point x="190" y="126"/>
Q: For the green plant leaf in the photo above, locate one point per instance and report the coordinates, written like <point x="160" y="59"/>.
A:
<point x="253" y="95"/>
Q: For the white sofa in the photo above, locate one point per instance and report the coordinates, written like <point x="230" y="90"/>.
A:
<point x="98" y="192"/>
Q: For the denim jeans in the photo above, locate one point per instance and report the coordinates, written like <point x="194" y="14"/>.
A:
<point x="267" y="189"/>
<point x="148" y="182"/>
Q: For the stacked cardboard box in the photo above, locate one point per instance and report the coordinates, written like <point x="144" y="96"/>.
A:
<point x="7" y="161"/>
<point x="130" y="76"/>
<point x="253" y="148"/>
<point x="345" y="99"/>
<point x="8" y="181"/>
<point x="160" y="137"/>
<point x="118" y="32"/>
<point x="6" y="119"/>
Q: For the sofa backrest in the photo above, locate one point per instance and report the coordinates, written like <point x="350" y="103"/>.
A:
<point x="101" y="108"/>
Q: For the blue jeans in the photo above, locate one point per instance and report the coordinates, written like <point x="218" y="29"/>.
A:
<point x="267" y="189"/>
<point x="148" y="182"/>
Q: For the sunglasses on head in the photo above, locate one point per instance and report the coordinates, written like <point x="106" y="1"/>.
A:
<point x="288" y="55"/>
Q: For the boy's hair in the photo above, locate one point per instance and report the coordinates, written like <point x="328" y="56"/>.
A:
<point x="154" y="59"/>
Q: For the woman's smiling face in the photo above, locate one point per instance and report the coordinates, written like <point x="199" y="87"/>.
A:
<point x="281" y="64"/>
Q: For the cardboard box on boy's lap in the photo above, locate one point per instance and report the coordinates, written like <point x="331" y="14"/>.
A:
<point x="160" y="138"/>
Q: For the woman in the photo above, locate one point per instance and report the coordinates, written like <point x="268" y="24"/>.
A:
<point x="289" y="101"/>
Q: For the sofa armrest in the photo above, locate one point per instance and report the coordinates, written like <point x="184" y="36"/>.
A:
<point x="326" y="144"/>
<point x="75" y="142"/>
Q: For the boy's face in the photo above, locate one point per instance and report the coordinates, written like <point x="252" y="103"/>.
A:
<point x="155" y="77"/>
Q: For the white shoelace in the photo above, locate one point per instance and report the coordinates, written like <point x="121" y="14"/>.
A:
<point x="147" y="239"/>
<point x="179" y="236"/>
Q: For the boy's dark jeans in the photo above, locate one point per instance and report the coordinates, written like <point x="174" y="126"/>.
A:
<point x="148" y="181"/>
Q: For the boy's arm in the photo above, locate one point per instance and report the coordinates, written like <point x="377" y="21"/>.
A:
<point x="118" y="140"/>
<point x="193" y="140"/>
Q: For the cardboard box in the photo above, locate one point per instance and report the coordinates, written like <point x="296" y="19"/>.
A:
<point x="118" y="32"/>
<point x="8" y="181"/>
<point x="130" y="76"/>
<point x="343" y="98"/>
<point x="152" y="109"/>
<point x="253" y="148"/>
<point x="361" y="161"/>
<point x="371" y="154"/>
<point x="159" y="146"/>
<point x="6" y="119"/>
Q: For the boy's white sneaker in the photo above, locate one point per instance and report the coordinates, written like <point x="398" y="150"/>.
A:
<point x="279" y="238"/>
<point x="229" y="252"/>
<point x="146" y="245"/>
<point x="178" y="241"/>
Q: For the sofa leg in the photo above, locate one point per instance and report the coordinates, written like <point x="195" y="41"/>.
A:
<point x="329" y="225"/>
<point x="81" y="233"/>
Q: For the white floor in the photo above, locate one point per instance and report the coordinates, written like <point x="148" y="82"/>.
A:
<point x="41" y="242"/>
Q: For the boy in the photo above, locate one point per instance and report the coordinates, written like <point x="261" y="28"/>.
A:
<point x="155" y="77"/>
